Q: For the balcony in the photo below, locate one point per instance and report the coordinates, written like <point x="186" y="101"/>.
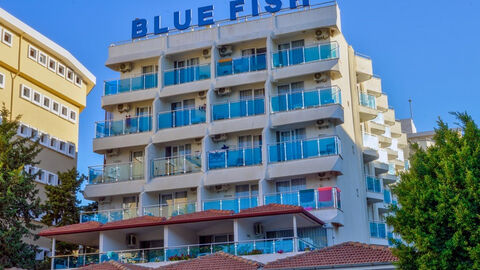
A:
<point x="177" y="165"/>
<point x="131" y="84"/>
<point x="302" y="55"/>
<point x="368" y="107"/>
<point x="169" y="210"/>
<point x="238" y="157"/>
<point x="241" y="65"/>
<point x="105" y="216"/>
<point x="306" y="99"/>
<point x="238" y="109"/>
<point x="232" y="204"/>
<point x="186" y="75"/>
<point x="165" y="254"/>
<point x="304" y="156"/>
<point x="376" y="128"/>
<point x="368" y="101"/>
<point x="114" y="179"/>
<point x="112" y="173"/>
<point x="131" y="125"/>
<point x="370" y="147"/>
<point x="181" y="118"/>
<point x="374" y="86"/>
<point x="374" y="189"/>
<point x="328" y="197"/>
<point x="364" y="67"/>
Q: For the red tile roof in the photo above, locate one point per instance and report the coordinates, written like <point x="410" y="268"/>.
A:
<point x="74" y="228"/>
<point x="208" y="215"/>
<point x="217" y="261"/>
<point x="349" y="253"/>
<point x="112" y="265"/>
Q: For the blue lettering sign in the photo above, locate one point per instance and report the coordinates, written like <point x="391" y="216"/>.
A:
<point x="255" y="8"/>
<point x="139" y="28"/>
<point x="188" y="20"/>
<point x="273" y="6"/>
<point x="158" y="26"/>
<point x="235" y="6"/>
<point x="205" y="15"/>
<point x="293" y="3"/>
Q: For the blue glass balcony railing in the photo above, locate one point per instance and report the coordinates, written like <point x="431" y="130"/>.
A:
<point x="105" y="216"/>
<point x="301" y="55"/>
<point x="241" y="65"/>
<point x="368" y="101"/>
<point x="238" y="109"/>
<point x="387" y="196"/>
<point x="170" y="210"/>
<point x="378" y="230"/>
<point x="232" y="204"/>
<point x="129" y="125"/>
<point x="325" y="197"/>
<point x="177" y="165"/>
<point x="302" y="149"/>
<point x="373" y="184"/>
<point x="134" y="83"/>
<point x="174" y="253"/>
<point x="306" y="99"/>
<point x="181" y="118"/>
<point x="115" y="172"/>
<point x="186" y="74"/>
<point x="238" y="157"/>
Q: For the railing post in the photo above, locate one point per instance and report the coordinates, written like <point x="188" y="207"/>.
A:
<point x="235" y="247"/>
<point x="84" y="257"/>
<point x="239" y="205"/>
<point x="124" y="123"/>
<point x="301" y="149"/>
<point x="226" y="157"/>
<point x="318" y="147"/>
<point x="254" y="244"/>
<point x="243" y="156"/>
<point x="315" y="197"/>
<point x="273" y="245"/>
<point x="188" y="250"/>
<point x="144" y="81"/>
<point x="229" y="112"/>
<point x="221" y="204"/>
<point x="68" y="262"/>
<point x="303" y="99"/>
<point x="184" y="164"/>
<point x="117" y="173"/>
<point x="281" y="198"/>
<point x="298" y="198"/>
<point x="334" y="196"/>
<point x="143" y="255"/>
<point x="211" y="248"/>
<point x="131" y="170"/>
<point x="160" y="210"/>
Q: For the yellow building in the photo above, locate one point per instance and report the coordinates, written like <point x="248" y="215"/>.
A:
<point x="48" y="86"/>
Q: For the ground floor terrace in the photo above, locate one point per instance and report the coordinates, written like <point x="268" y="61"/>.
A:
<point x="264" y="233"/>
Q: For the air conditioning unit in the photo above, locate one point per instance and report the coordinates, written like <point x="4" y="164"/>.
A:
<point x="103" y="200"/>
<point x="322" y="124"/>
<point x="202" y="94"/>
<point x="225" y="50"/>
<point x="131" y="240"/>
<point x="125" y="107"/>
<point x="219" y="138"/>
<point x="224" y="91"/>
<point x="206" y="53"/>
<point x="321" y="77"/>
<point x="258" y="228"/>
<point x="126" y="67"/>
<point x="221" y="188"/>
<point x="112" y="152"/>
<point x="322" y="33"/>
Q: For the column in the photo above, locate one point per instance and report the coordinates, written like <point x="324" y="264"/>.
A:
<point x="53" y="253"/>
<point x="235" y="230"/>
<point x="295" y="234"/>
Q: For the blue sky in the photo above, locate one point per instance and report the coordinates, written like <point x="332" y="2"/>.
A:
<point x="425" y="50"/>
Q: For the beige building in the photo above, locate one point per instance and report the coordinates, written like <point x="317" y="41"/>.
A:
<point x="48" y="86"/>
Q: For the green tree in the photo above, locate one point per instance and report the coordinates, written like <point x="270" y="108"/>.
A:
<point x="19" y="203"/>
<point x="439" y="197"/>
<point x="62" y="206"/>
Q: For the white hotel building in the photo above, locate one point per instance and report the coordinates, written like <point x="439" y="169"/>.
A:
<point x="275" y="109"/>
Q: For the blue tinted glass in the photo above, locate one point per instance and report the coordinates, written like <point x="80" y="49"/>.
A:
<point x="111" y="87"/>
<point x="312" y="54"/>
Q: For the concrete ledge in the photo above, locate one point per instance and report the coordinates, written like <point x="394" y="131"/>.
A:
<point x="180" y="133"/>
<point x="234" y="175"/>
<point x="113" y="189"/>
<point x="174" y="182"/>
<point x="237" y="124"/>
<point x="128" y="97"/>
<point x="185" y="88"/>
<point x="122" y="141"/>
<point x="329" y="215"/>
<point x="241" y="79"/>
<point x="305" y="166"/>
<point x="333" y="111"/>
<point x="305" y="69"/>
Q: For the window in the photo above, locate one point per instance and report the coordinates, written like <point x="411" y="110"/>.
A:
<point x="32" y="53"/>
<point x="53" y="143"/>
<point x="55" y="107"/>
<point x="71" y="149"/>
<point x="46" y="103"/>
<point x="42" y="58"/>
<point x="2" y="80"/>
<point x="78" y="80"/>
<point x="291" y="185"/>
<point x="44" y="139"/>
<point x="26" y="92"/>
<point x="129" y="202"/>
<point x="24" y="130"/>
<point x="41" y="176"/>
<point x="37" y="98"/>
<point x="64" y="111"/>
<point x="34" y="133"/>
<point x="52" y="179"/>
<point x="61" y="70"/>
<point x="249" y="141"/>
<point x="7" y="37"/>
<point x="70" y="75"/>
<point x="73" y="116"/>
<point x="62" y="146"/>
<point x="52" y="64"/>
<point x="32" y="170"/>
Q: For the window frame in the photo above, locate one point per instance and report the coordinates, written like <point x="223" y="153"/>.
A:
<point x="61" y="111"/>
<point x="54" y="69"/>
<point x="64" y="144"/>
<point x="46" y="141"/>
<point x="30" y="49"/>
<point x="55" y="141"/>
<point x="26" y="129"/>
<point x="74" y="120"/>
<point x="30" y="90"/>
<point x="40" y="53"/>
<point x="79" y="84"/>
<point x="73" y="75"/>
<point x="49" y="103"/>
<point x="5" y="31"/>
<point x="39" y="102"/>
<point x="57" y="112"/>
<point x="69" y="145"/>
<point x="60" y="65"/>
<point x="2" y="82"/>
